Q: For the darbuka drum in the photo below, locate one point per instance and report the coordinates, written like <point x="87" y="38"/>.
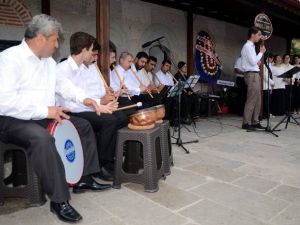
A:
<point x="160" y="113"/>
<point x="143" y="119"/>
<point x="68" y="145"/>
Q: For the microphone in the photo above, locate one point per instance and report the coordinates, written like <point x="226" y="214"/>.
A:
<point x="145" y="45"/>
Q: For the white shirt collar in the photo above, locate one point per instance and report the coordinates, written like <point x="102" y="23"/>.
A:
<point x="73" y="64"/>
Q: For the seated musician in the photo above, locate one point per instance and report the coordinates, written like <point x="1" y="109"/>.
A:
<point x="136" y="73"/>
<point x="81" y="70"/>
<point x="27" y="106"/>
<point x="122" y="80"/>
<point x="165" y="77"/>
<point x="190" y="106"/>
<point x="147" y="77"/>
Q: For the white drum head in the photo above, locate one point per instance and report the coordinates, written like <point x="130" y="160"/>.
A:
<point x="68" y="145"/>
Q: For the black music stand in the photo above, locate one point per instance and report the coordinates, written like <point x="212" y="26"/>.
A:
<point x="288" y="74"/>
<point x="177" y="91"/>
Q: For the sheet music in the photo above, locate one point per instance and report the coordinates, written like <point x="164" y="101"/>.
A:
<point x="192" y="81"/>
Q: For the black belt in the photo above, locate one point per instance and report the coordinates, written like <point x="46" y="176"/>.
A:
<point x="252" y="72"/>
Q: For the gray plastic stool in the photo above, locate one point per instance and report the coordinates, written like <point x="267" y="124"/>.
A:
<point x="167" y="153"/>
<point x="152" y="158"/>
<point x="32" y="190"/>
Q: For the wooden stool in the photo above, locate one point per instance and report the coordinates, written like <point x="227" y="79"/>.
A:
<point x="31" y="190"/>
<point x="152" y="158"/>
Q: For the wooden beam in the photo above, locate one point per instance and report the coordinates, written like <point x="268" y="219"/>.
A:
<point x="102" y="32"/>
<point x="45" y="7"/>
<point x="190" y="43"/>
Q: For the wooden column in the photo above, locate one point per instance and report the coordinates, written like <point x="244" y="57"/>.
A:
<point x="102" y="32"/>
<point x="190" y="42"/>
<point x="46" y="7"/>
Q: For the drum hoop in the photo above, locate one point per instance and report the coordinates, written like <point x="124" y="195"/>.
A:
<point x="143" y="111"/>
<point x="51" y="128"/>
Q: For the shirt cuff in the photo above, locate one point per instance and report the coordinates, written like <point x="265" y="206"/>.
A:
<point x="42" y="112"/>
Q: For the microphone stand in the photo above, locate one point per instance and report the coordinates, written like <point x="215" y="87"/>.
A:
<point x="268" y="128"/>
<point x="179" y="141"/>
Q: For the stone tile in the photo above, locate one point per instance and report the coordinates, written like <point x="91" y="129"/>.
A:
<point x="289" y="216"/>
<point x="168" y="196"/>
<point x="257" y="205"/>
<point x="135" y="209"/>
<point x="209" y="213"/>
<point x="210" y="159"/>
<point x="288" y="193"/>
<point x="184" y="179"/>
<point x="181" y="161"/>
<point x="255" y="183"/>
<point x="215" y="172"/>
<point x="111" y="221"/>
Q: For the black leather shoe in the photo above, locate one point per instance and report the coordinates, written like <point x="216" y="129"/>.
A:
<point x="65" y="212"/>
<point x="258" y="126"/>
<point x="91" y="186"/>
<point x="247" y="127"/>
<point x="105" y="174"/>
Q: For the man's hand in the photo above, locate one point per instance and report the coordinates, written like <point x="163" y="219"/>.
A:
<point x="92" y="104"/>
<point x="57" y="113"/>
<point x="107" y="98"/>
<point x="124" y="90"/>
<point x="262" y="49"/>
<point x="108" y="108"/>
<point x="143" y="88"/>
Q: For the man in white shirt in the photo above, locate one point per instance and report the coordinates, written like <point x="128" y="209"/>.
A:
<point x="122" y="80"/>
<point x="165" y="77"/>
<point x="79" y="69"/>
<point x="27" y="106"/>
<point x="164" y="74"/>
<point x="241" y="86"/>
<point x="250" y="65"/>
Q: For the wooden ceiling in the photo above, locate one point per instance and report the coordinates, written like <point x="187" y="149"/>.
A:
<point x="284" y="14"/>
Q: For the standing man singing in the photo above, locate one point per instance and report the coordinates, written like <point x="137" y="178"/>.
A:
<point x="250" y="64"/>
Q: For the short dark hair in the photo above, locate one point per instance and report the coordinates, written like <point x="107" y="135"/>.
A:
<point x="253" y="30"/>
<point x="80" y="41"/>
<point x="152" y="58"/>
<point x="166" y="61"/>
<point x="181" y="64"/>
<point x="96" y="46"/>
<point x="140" y="55"/>
<point x="112" y="47"/>
<point x="275" y="56"/>
<point x="286" y="54"/>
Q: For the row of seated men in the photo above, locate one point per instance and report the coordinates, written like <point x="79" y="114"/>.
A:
<point x="35" y="91"/>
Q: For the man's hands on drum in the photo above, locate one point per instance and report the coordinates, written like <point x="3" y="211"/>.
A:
<point x="58" y="113"/>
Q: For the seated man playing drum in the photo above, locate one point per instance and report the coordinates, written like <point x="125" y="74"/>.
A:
<point x="27" y="106"/>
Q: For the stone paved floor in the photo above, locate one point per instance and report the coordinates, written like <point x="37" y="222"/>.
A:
<point x="231" y="177"/>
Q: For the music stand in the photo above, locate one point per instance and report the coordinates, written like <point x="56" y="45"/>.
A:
<point x="177" y="91"/>
<point x="288" y="74"/>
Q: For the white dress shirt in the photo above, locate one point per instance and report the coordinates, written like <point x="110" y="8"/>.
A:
<point x="238" y="65"/>
<point x="29" y="84"/>
<point x="145" y="77"/>
<point x="249" y="57"/>
<point x="85" y="78"/>
<point x="165" y="78"/>
<point x="297" y="75"/>
<point x="276" y="71"/>
<point x="129" y="80"/>
<point x="266" y="80"/>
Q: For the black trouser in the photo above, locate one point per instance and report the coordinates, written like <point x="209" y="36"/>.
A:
<point x="266" y="103"/>
<point x="242" y="95"/>
<point x="105" y="127"/>
<point x="40" y="147"/>
<point x="190" y="106"/>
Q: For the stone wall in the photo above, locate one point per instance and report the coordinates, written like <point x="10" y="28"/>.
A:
<point x="134" y="22"/>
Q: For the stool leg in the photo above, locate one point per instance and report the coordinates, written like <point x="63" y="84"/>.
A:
<point x="1" y="175"/>
<point x="150" y="166"/>
<point x="118" y="165"/>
